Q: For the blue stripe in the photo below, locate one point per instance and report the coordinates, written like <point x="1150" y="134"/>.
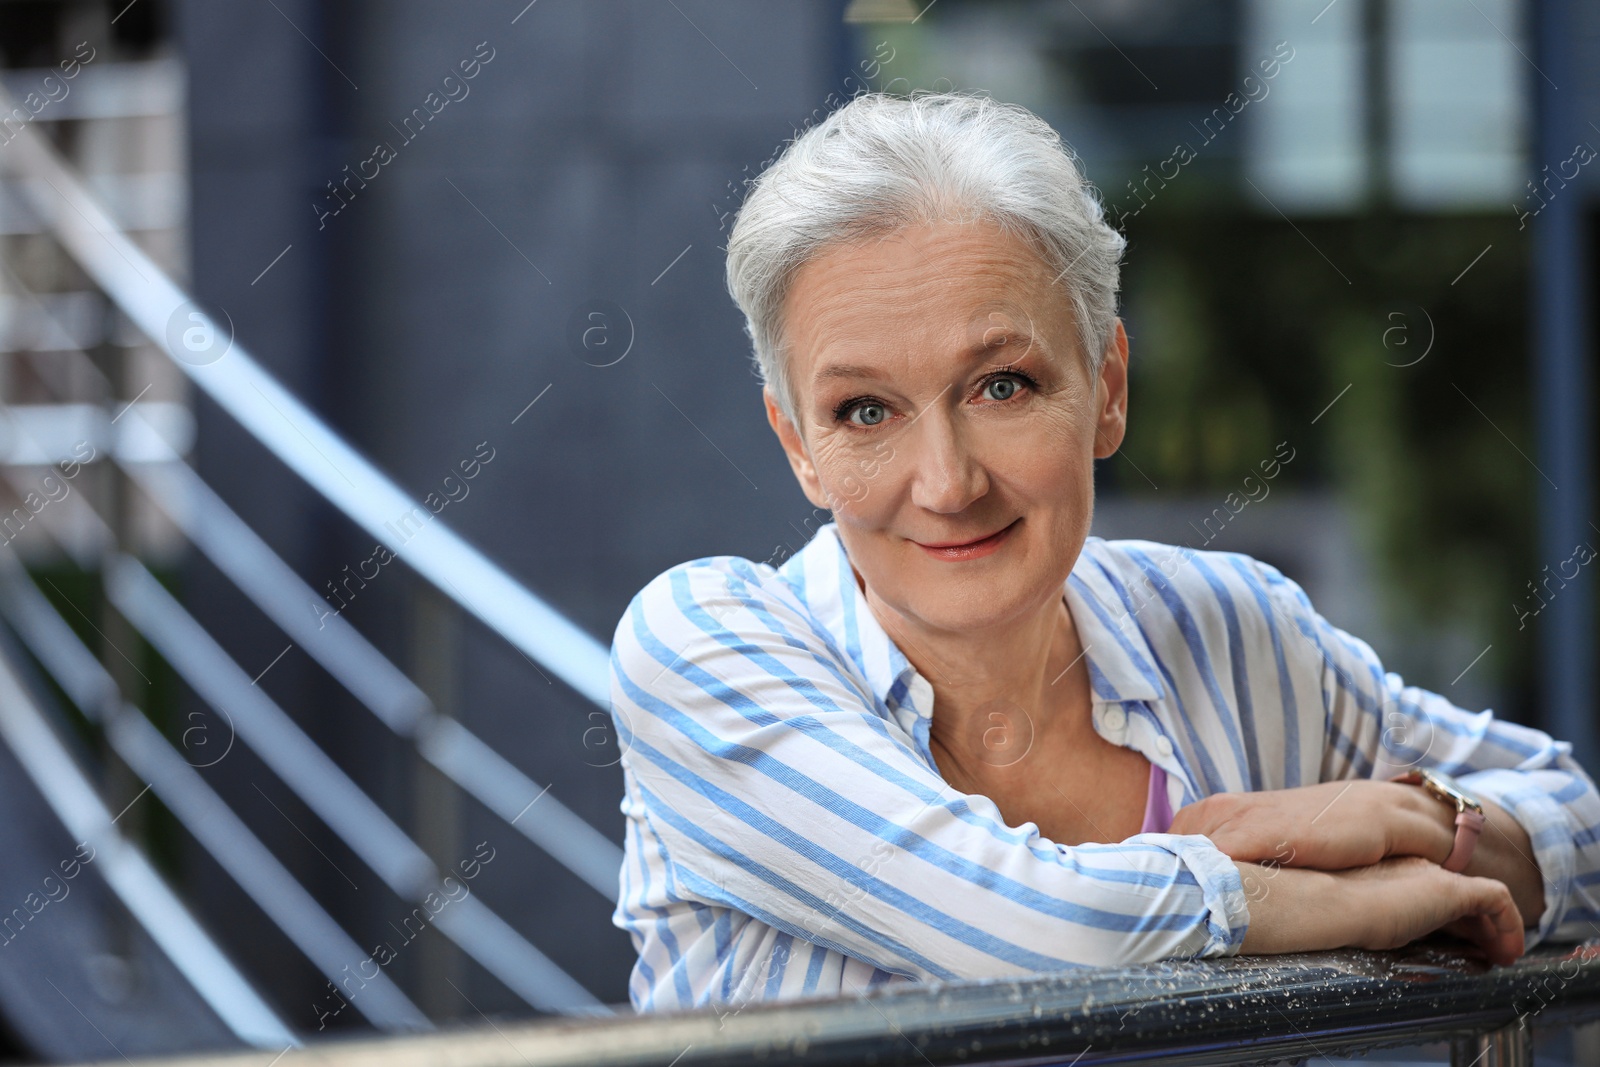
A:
<point x="1241" y="674"/>
<point x="723" y="940"/>
<point x="847" y="597"/>
<point x="778" y="965"/>
<point x="814" y="969"/>
<point x="1291" y="709"/>
<point x="757" y="910"/>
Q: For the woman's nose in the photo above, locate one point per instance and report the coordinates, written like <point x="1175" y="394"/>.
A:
<point x="948" y="475"/>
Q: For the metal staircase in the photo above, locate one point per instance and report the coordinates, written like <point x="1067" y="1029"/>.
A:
<point x="45" y="667"/>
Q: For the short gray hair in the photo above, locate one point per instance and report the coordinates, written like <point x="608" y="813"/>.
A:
<point x="883" y="162"/>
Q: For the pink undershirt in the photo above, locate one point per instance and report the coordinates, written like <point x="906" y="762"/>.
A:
<point x="1157" y="808"/>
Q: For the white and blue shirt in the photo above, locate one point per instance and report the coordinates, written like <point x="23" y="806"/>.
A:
<point x="789" y="833"/>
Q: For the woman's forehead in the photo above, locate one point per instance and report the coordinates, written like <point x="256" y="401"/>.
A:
<point x="865" y="359"/>
<point x="855" y="309"/>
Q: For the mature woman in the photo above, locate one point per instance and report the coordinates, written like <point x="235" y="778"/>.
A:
<point x="946" y="739"/>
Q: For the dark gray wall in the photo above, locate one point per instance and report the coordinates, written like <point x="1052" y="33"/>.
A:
<point x="423" y="317"/>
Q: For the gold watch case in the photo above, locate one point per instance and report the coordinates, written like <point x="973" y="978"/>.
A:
<point x="1442" y="786"/>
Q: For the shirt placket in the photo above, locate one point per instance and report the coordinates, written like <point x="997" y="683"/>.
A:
<point x="1113" y="721"/>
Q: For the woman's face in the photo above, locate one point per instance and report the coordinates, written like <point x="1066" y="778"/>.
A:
<point x="943" y="399"/>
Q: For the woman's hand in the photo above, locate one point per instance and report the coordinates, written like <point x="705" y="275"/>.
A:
<point x="1382" y="906"/>
<point x="1330" y="826"/>
<point x="1333" y="826"/>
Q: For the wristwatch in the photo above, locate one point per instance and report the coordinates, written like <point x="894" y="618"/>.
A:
<point x="1469" y="813"/>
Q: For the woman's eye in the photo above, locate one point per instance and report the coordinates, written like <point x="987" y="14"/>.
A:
<point x="869" y="414"/>
<point x="1001" y="388"/>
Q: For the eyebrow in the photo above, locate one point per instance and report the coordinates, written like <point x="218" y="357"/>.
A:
<point x="853" y="370"/>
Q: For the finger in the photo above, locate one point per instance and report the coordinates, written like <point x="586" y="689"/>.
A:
<point x="1479" y="932"/>
<point x="1508" y="929"/>
<point x="1474" y="928"/>
<point x="1502" y="920"/>
<point x="1250" y="846"/>
<point x="1476" y="939"/>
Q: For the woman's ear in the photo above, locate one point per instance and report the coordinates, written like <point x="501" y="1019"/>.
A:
<point x="794" y="447"/>
<point x="1111" y="395"/>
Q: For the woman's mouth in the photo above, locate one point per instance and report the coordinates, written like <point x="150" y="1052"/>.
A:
<point x="964" y="550"/>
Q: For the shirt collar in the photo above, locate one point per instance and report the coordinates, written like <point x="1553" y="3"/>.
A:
<point x="1121" y="665"/>
<point x="821" y="571"/>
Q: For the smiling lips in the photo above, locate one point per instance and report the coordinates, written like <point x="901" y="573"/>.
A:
<point x="964" y="550"/>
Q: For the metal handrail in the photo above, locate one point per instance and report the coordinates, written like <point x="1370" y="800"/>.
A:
<point x="386" y="849"/>
<point x="291" y="431"/>
<point x="187" y="795"/>
<point x="325" y="787"/>
<point x="274" y="587"/>
<point x="240" y="553"/>
<point x="1195" y="1012"/>
<point x="128" y="873"/>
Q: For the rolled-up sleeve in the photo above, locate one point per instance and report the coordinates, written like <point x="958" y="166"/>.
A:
<point x="1377" y="727"/>
<point x="775" y="788"/>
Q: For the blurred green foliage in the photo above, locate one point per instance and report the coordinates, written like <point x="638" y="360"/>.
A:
<point x="1244" y="328"/>
<point x="79" y="597"/>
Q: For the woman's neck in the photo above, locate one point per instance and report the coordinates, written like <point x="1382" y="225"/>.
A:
<point x="997" y="690"/>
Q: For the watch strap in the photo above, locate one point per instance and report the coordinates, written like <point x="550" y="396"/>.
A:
<point x="1469" y="824"/>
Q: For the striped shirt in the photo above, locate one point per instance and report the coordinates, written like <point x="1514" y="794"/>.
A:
<point x="788" y="832"/>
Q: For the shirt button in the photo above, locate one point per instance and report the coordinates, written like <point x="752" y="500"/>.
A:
<point x="1115" y="719"/>
<point x="1163" y="745"/>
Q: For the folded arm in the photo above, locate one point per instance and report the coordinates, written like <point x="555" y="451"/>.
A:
<point x="1335" y="826"/>
<point x="777" y="789"/>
